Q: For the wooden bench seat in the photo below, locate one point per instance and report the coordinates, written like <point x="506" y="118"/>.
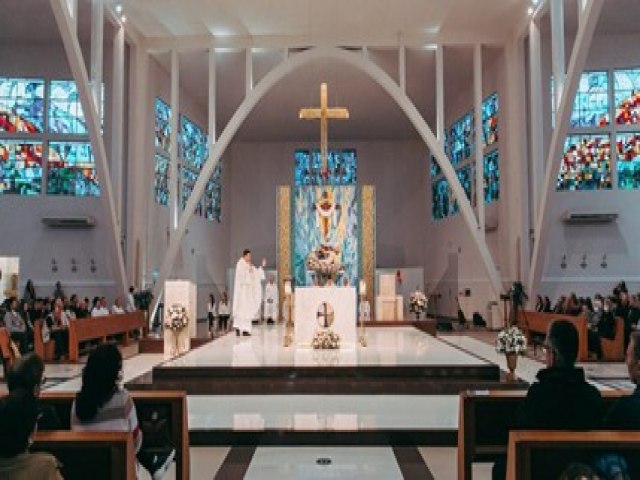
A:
<point x="5" y="349"/>
<point x="172" y="404"/>
<point x="90" y="455"/>
<point x="485" y="418"/>
<point x="539" y="455"/>
<point x="532" y="322"/>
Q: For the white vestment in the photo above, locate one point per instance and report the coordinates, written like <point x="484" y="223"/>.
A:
<point x="271" y="301"/>
<point x="247" y="295"/>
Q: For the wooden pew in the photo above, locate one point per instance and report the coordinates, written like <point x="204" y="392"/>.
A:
<point x="94" y="455"/>
<point x="172" y="403"/>
<point x="102" y="327"/>
<point x="5" y="349"/>
<point x="46" y="351"/>
<point x="484" y="420"/>
<point x="538" y="455"/>
<point x="538" y="322"/>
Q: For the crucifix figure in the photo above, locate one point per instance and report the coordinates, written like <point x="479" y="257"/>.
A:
<point x="324" y="113"/>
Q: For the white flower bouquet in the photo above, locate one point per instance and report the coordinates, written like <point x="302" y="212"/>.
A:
<point x="326" y="340"/>
<point x="511" y="340"/>
<point x="176" y="318"/>
<point x="417" y="302"/>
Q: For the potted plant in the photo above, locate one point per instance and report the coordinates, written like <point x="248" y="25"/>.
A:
<point x="512" y="342"/>
<point x="176" y="321"/>
<point x="417" y="303"/>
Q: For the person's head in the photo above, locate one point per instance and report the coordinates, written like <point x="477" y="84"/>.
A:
<point x="26" y="306"/>
<point x="224" y="296"/>
<point x="14" y="305"/>
<point x="633" y="357"/>
<point x="100" y="378"/>
<point x="19" y="412"/>
<point x="103" y="302"/>
<point x="246" y="254"/>
<point x="561" y="344"/>
<point x="96" y="301"/>
<point x="58" y="285"/>
<point x="117" y="302"/>
<point x="131" y="289"/>
<point x="73" y="299"/>
<point x="29" y="284"/>
<point x="27" y="373"/>
<point x="272" y="278"/>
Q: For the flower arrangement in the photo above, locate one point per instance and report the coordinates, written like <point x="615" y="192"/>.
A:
<point x="417" y="302"/>
<point x="324" y="262"/>
<point x="511" y="340"/>
<point x="176" y="319"/>
<point x="326" y="340"/>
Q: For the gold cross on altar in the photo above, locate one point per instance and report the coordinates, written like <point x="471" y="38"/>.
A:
<point x="324" y="114"/>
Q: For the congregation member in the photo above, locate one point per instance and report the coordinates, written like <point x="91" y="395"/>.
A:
<point x="211" y="309"/>
<point x="27" y="373"/>
<point x="27" y="315"/>
<point x="224" y="312"/>
<point x="247" y="293"/>
<point x="131" y="300"/>
<point x="17" y="328"/>
<point x="100" y="308"/>
<point x="81" y="310"/>
<point x="18" y="414"/>
<point x="57" y="329"/>
<point x="58" y="292"/>
<point x="539" y="303"/>
<point x="117" y="309"/>
<point x="547" y="305"/>
<point x="271" y="301"/>
<point x="103" y="405"/>
<point x="29" y="294"/>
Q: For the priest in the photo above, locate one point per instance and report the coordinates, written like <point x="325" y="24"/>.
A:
<point x="271" y="301"/>
<point x="247" y="293"/>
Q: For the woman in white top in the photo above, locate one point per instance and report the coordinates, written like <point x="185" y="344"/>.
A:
<point x="211" y="307"/>
<point x="224" y="312"/>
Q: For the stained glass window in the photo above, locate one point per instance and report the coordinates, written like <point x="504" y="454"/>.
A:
<point x="586" y="164"/>
<point x="193" y="143"/>
<point x="342" y="167"/>
<point x="591" y="105"/>
<point x="20" y="167"/>
<point x="213" y="196"/>
<point x="71" y="170"/>
<point x="626" y="84"/>
<point x="628" y="146"/>
<point x="490" y="109"/>
<point x="161" y="183"/>
<point x="465" y="176"/>
<point x="461" y="138"/>
<point x="491" y="166"/>
<point x="21" y="105"/>
<point x="189" y="178"/>
<point x="162" y="124"/>
<point x="440" y="199"/>
<point x="65" y="110"/>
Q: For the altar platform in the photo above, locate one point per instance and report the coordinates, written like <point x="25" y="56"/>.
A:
<point x="399" y="360"/>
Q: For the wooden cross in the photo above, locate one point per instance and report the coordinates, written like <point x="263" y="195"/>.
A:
<point x="323" y="114"/>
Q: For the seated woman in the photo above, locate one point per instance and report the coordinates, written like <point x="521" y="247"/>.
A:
<point x="19" y="413"/>
<point x="57" y="323"/>
<point x="102" y="404"/>
<point x="601" y="324"/>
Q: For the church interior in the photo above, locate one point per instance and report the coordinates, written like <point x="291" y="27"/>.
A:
<point x="329" y="239"/>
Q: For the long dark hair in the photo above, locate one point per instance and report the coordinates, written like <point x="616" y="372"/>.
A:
<point x="99" y="381"/>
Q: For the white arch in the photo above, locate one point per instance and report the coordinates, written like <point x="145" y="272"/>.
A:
<point x="292" y="63"/>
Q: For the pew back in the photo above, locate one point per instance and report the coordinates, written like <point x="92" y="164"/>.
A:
<point x="99" y="456"/>
<point x="171" y="405"/>
<point x="538" y="455"/>
<point x="5" y="348"/>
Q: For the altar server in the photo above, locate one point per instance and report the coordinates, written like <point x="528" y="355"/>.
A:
<point x="271" y="300"/>
<point x="247" y="293"/>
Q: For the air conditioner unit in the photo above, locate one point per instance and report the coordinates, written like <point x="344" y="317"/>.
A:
<point x="588" y="218"/>
<point x="69" y="222"/>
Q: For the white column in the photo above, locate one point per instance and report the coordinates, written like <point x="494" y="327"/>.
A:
<point x="117" y="119"/>
<point x="557" y="50"/>
<point x="402" y="68"/>
<point x="581" y="4"/>
<point x="97" y="49"/>
<point x="479" y="143"/>
<point x="536" y="119"/>
<point x="174" y="181"/>
<point x="72" y="7"/>
<point x="440" y="94"/>
<point x="248" y="58"/>
<point x="212" y="98"/>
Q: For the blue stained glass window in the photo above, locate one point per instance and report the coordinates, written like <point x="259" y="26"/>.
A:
<point x="626" y="85"/>
<point x="71" y="170"/>
<point x="20" y="167"/>
<point x="628" y="146"/>
<point x="490" y="107"/>
<point x="591" y="105"/>
<point x="162" y="124"/>
<point x="461" y="138"/>
<point x="189" y="178"/>
<point x="491" y="165"/>
<point x="193" y="143"/>
<point x="440" y="199"/>
<point x="435" y="166"/>
<point x="161" y="183"/>
<point x="213" y="196"/>
<point x="465" y="176"/>
<point x="65" y="110"/>
<point x="342" y="167"/>
<point x="586" y="164"/>
<point x="21" y="105"/>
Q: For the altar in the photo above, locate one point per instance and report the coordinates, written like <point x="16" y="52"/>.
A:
<point x="325" y="309"/>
